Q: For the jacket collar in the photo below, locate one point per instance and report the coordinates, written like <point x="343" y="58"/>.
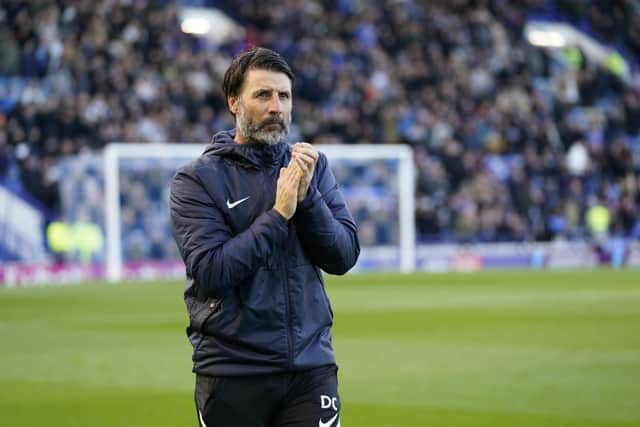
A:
<point x="248" y="155"/>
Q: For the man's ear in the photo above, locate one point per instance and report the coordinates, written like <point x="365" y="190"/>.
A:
<point x="232" y="102"/>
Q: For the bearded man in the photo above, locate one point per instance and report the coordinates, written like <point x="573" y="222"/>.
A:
<point x="256" y="221"/>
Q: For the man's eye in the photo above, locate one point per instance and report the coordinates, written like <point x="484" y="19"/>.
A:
<point x="284" y="96"/>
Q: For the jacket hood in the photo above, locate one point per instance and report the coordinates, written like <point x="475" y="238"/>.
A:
<point x="247" y="155"/>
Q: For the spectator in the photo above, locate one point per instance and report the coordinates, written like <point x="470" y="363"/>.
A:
<point x="456" y="80"/>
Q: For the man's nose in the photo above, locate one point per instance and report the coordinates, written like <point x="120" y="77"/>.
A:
<point x="275" y="104"/>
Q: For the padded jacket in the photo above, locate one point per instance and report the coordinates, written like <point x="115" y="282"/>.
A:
<point x="254" y="289"/>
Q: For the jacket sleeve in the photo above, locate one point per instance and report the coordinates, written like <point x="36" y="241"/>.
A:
<point x="215" y="258"/>
<point x="324" y="225"/>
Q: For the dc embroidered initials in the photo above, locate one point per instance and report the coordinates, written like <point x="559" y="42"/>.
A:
<point x="327" y="402"/>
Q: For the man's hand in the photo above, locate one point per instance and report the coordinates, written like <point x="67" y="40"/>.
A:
<point x="306" y="158"/>
<point x="287" y="191"/>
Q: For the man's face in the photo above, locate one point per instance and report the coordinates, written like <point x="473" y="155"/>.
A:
<point x="263" y="107"/>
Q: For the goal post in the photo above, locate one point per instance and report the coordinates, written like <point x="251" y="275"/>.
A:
<point x="114" y="153"/>
<point x="405" y="184"/>
<point x="395" y="190"/>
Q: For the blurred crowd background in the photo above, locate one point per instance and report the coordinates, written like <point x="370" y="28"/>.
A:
<point x="510" y="143"/>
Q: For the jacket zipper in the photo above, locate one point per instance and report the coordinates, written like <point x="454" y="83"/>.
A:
<point x="288" y="315"/>
<point x="287" y="301"/>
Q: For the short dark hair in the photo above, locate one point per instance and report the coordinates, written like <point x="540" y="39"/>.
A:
<point x="259" y="58"/>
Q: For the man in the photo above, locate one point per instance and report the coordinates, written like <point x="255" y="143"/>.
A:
<point x="256" y="220"/>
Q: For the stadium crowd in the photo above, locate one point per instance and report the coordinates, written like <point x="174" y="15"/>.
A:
<point x="509" y="142"/>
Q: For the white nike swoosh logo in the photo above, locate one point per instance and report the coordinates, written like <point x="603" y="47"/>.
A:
<point x="328" y="423"/>
<point x="201" y="420"/>
<point x="232" y="205"/>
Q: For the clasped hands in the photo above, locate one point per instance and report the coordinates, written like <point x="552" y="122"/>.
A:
<point x="294" y="180"/>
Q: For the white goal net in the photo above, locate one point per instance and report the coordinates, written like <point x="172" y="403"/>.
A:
<point x="377" y="181"/>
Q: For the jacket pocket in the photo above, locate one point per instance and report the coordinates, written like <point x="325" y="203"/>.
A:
<point x="199" y="313"/>
<point x="311" y="309"/>
<point x="323" y="290"/>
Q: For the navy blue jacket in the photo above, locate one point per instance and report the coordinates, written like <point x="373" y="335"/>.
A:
<point x="254" y="291"/>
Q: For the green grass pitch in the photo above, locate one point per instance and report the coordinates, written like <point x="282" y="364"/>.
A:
<point x="477" y="349"/>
